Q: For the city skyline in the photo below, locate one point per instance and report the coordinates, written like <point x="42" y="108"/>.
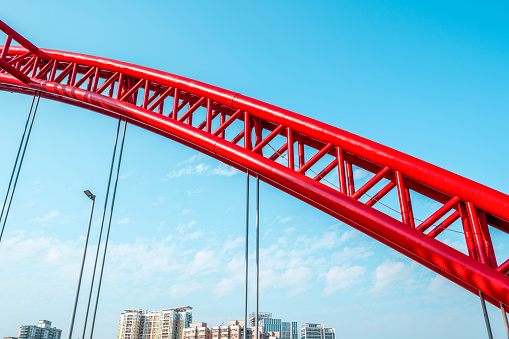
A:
<point x="177" y="323"/>
<point x="427" y="79"/>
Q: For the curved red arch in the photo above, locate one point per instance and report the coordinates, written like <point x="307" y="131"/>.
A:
<point x="157" y="101"/>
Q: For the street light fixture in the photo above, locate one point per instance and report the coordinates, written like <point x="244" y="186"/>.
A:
<point x="89" y="194"/>
<point x="92" y="197"/>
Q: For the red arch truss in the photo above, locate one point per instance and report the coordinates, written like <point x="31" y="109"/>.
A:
<point x="240" y="131"/>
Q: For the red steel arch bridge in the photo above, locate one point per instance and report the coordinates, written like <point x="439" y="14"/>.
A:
<point x="289" y="151"/>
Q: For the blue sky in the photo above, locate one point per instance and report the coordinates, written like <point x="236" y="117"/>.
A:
<point x="428" y="78"/>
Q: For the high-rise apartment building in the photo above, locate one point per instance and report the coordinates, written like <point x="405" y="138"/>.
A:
<point x="41" y="331"/>
<point x="316" y="331"/>
<point x="164" y="324"/>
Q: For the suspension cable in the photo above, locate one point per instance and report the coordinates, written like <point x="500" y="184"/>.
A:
<point x="71" y="325"/>
<point x="108" y="230"/>
<point x="101" y="229"/>
<point x="257" y="250"/>
<point x="247" y="255"/>
<point x="504" y="317"/>
<point x="15" y="173"/>
<point x="486" y="318"/>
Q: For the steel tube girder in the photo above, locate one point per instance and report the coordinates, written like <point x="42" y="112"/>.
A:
<point x="328" y="141"/>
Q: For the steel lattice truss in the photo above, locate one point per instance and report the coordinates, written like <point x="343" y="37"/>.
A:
<point x="289" y="151"/>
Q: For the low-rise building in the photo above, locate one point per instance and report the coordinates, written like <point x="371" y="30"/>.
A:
<point x="234" y="330"/>
<point x="197" y="331"/>
<point x="316" y="331"/>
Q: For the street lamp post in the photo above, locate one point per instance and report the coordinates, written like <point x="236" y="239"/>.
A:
<point x="92" y="197"/>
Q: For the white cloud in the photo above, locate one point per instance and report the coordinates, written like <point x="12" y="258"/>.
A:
<point x="289" y="230"/>
<point x="30" y="203"/>
<point x="141" y="260"/>
<point x="192" y="236"/>
<point x="195" y="166"/>
<point x="233" y="244"/>
<point x="159" y="200"/>
<point x="204" y="263"/>
<point x="196" y="191"/>
<point x="51" y="215"/>
<point x="327" y="240"/>
<point x="198" y="169"/>
<point x="296" y="276"/>
<point x="40" y="254"/>
<point x="194" y="158"/>
<point x="291" y="264"/>
<point x="285" y="219"/>
<point x="203" y="259"/>
<point x="123" y="221"/>
<point x="438" y="283"/>
<point x="341" y="277"/>
<point x="390" y="273"/>
<point x="235" y="277"/>
<point x="185" y="288"/>
<point x="352" y="253"/>
<point x="127" y="175"/>
<point x="225" y="286"/>
<point x="359" y="173"/>
<point x="458" y="245"/>
<point x="224" y="170"/>
<point x="185" y="226"/>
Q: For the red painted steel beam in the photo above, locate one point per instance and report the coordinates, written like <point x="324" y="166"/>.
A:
<point x="429" y="252"/>
<point x="14" y="71"/>
<point x="465" y="271"/>
<point x="403" y="202"/>
<point x="305" y="166"/>
<point x="438" y="214"/>
<point x="372" y="182"/>
<point x="19" y="38"/>
<point x="444" y="224"/>
<point x="7" y="44"/>
<point x="483" y="197"/>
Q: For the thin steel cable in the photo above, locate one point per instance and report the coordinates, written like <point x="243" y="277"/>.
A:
<point x="378" y="200"/>
<point x="71" y="325"/>
<point x="17" y="156"/>
<point x="257" y="251"/>
<point x="20" y="163"/>
<point x="486" y="318"/>
<point x="108" y="231"/>
<point x="246" y="255"/>
<point x="504" y="317"/>
<point x="101" y="229"/>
